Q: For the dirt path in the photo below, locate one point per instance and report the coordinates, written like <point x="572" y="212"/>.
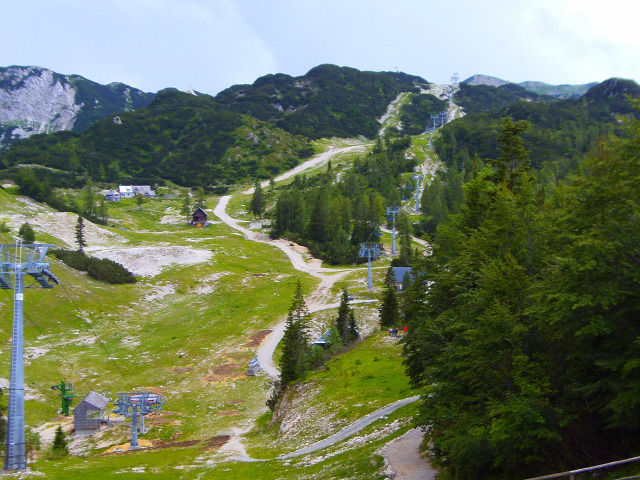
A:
<point x="319" y="159"/>
<point x="342" y="435"/>
<point x="403" y="456"/>
<point x="349" y="430"/>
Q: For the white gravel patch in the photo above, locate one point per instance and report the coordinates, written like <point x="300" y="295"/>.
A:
<point x="150" y="261"/>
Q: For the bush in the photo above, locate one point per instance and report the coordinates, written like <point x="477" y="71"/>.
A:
<point x="101" y="269"/>
<point x="109" y="271"/>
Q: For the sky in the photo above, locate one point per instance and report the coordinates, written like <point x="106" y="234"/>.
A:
<point x="209" y="45"/>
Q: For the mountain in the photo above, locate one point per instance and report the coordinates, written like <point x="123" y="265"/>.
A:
<point x="37" y="100"/>
<point x="185" y="138"/>
<point x="541" y="88"/>
<point x="328" y="101"/>
<point x="246" y="131"/>
<point x="561" y="131"/>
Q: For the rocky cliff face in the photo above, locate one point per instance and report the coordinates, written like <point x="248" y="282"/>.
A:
<point x="37" y="100"/>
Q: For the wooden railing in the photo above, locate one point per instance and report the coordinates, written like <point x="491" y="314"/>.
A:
<point x="572" y="473"/>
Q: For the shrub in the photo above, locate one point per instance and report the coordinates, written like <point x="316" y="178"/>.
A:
<point x="101" y="269"/>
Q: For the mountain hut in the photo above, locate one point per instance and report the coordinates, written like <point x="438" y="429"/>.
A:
<point x="199" y="218"/>
<point x="89" y="414"/>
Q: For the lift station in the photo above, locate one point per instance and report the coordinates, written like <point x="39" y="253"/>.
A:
<point x="134" y="404"/>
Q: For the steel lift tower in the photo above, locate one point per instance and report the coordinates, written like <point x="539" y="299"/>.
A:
<point x="20" y="260"/>
<point x="391" y="215"/>
<point x="418" y="179"/>
<point x="138" y="404"/>
<point x="369" y="250"/>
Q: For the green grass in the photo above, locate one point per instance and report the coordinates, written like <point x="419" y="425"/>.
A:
<point x="351" y="385"/>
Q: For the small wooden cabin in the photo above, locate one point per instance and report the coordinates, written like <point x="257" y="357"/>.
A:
<point x="199" y="218"/>
<point x="89" y="414"/>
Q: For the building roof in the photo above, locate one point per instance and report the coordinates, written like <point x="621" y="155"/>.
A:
<point x="399" y="273"/>
<point x="96" y="400"/>
<point x="200" y="210"/>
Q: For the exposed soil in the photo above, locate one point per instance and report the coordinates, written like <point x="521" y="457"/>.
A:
<point x="257" y="338"/>
<point x="226" y="371"/>
<point x="229" y="413"/>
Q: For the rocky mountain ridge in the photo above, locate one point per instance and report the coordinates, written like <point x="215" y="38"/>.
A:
<point x="37" y="100"/>
<point x="541" y="88"/>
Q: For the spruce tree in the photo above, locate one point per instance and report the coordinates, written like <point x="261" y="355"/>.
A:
<point x="295" y="342"/>
<point x="59" y="445"/>
<point x="80" y="234"/>
<point x="352" y="332"/>
<point x="185" y="209"/>
<point x="257" y="200"/>
<point x="342" y="321"/>
<point x="389" y="307"/>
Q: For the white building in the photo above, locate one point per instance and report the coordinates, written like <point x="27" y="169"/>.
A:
<point x="130" y="191"/>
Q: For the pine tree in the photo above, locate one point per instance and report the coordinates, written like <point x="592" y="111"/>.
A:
<point x="201" y="199"/>
<point x="342" y="321"/>
<point x="59" y="445"/>
<point x="88" y="199"/>
<point x="389" y="307"/>
<point x="103" y="210"/>
<point x="80" y="234"/>
<point x="295" y="342"/>
<point x="257" y="200"/>
<point x="185" y="209"/>
<point x="352" y="332"/>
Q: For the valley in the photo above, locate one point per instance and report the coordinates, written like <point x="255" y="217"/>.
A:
<point x="181" y="265"/>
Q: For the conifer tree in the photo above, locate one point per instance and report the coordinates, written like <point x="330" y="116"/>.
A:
<point x="257" y="200"/>
<point x="295" y="342"/>
<point x="352" y="332"/>
<point x="201" y="199"/>
<point x="389" y="307"/>
<point x="80" y="234"/>
<point x="186" y="206"/>
<point x="342" y="321"/>
<point x="26" y="233"/>
<point x="59" y="445"/>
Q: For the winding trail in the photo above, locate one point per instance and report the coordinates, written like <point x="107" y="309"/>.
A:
<point x="316" y="302"/>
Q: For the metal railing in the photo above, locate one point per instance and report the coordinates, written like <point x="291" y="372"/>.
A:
<point x="572" y="473"/>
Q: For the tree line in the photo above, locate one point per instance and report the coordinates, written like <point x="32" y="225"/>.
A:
<point x="332" y="215"/>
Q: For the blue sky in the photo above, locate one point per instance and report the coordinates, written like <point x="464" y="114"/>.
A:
<point x="208" y="45"/>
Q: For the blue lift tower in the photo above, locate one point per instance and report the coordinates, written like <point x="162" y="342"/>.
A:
<point x="391" y="215"/>
<point x="369" y="250"/>
<point x="19" y="260"/>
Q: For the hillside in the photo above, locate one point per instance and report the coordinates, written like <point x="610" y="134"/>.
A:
<point x="185" y="138"/>
<point x="204" y="301"/>
<point x="37" y="100"/>
<point x="328" y="101"/>
<point x="561" y="130"/>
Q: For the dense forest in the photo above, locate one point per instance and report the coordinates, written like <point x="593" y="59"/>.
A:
<point x="527" y="339"/>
